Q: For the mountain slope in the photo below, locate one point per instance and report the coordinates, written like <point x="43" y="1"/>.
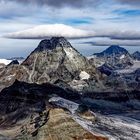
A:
<point x="112" y="50"/>
<point x="27" y="114"/>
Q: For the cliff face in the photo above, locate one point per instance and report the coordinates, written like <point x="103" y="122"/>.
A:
<point x="55" y="59"/>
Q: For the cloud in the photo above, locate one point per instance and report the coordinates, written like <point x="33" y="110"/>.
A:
<point x="120" y="35"/>
<point x="58" y="3"/>
<point x="107" y="42"/>
<point x="50" y="30"/>
<point x="46" y="31"/>
<point x="131" y="2"/>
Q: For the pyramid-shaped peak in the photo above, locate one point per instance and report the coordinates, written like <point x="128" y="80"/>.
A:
<point x="59" y="39"/>
<point x="115" y="49"/>
<point x="115" y="46"/>
<point x="53" y="43"/>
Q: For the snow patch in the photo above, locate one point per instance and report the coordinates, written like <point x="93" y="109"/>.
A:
<point x="122" y="56"/>
<point x="5" y="61"/>
<point x="69" y="53"/>
<point x="131" y="69"/>
<point x="91" y="57"/>
<point x="71" y="106"/>
<point x="84" y="75"/>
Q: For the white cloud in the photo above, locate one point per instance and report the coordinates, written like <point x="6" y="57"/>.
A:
<point x="51" y="30"/>
<point x="45" y="31"/>
<point x="104" y="41"/>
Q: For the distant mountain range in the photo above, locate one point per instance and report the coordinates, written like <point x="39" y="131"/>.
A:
<point x="112" y="50"/>
<point x="9" y="60"/>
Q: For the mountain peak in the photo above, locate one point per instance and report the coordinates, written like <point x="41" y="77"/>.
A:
<point x="48" y="44"/>
<point x="55" y="59"/>
<point x="115" y="49"/>
<point x="112" y="50"/>
<point x="58" y="39"/>
<point x="136" y="55"/>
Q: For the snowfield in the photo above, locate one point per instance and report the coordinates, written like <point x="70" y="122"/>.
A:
<point x="5" y="61"/>
<point x="131" y="69"/>
<point x="84" y="75"/>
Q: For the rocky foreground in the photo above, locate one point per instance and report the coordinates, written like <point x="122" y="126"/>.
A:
<point x="26" y="113"/>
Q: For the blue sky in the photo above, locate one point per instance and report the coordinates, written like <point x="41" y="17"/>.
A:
<point x="110" y="22"/>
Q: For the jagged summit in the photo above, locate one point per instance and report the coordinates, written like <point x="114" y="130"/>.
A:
<point x="112" y="50"/>
<point x="48" y="44"/>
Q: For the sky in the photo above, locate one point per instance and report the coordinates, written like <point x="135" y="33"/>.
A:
<point x="90" y="25"/>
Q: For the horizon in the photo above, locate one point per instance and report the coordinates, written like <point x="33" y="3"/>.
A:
<point x="80" y="47"/>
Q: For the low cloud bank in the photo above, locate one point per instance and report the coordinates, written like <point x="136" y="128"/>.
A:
<point x="47" y="31"/>
<point x="50" y="30"/>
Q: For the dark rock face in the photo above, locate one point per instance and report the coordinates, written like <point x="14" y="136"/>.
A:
<point x="34" y="92"/>
<point x="116" y="96"/>
<point x="106" y="69"/>
<point x="14" y="62"/>
<point x="137" y="75"/>
<point x="112" y="50"/>
<point x="136" y="55"/>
